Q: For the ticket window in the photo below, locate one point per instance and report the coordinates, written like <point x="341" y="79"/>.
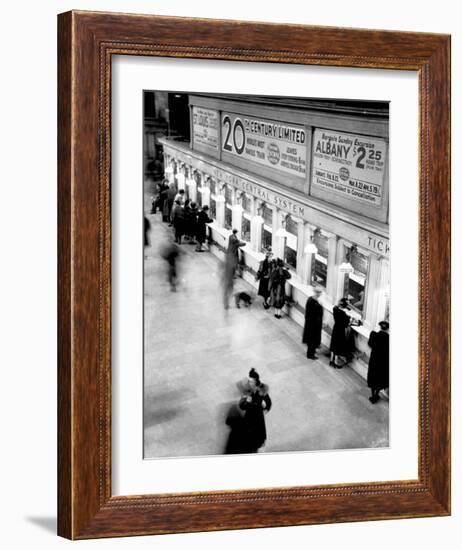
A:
<point x="267" y="232"/>
<point x="228" y="208"/>
<point x="319" y="264"/>
<point x="356" y="281"/>
<point x="246" y="217"/>
<point x="213" y="208"/>
<point x="213" y="186"/>
<point x="290" y="245"/>
<point x="387" y="310"/>
<point x="245" y="229"/>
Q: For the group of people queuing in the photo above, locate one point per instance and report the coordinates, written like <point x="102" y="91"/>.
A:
<point x="246" y="418"/>
<point x="342" y="341"/>
<point x="191" y="222"/>
<point x="272" y="276"/>
<point x="188" y="220"/>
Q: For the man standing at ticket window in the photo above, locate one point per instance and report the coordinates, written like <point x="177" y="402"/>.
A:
<point x="234" y="244"/>
<point x="313" y="324"/>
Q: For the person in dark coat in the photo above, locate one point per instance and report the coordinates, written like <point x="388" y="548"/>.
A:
<point x="255" y="402"/>
<point x="171" y="253"/>
<point x="201" y="227"/>
<point x="147" y="231"/>
<point x="339" y="346"/>
<point x="263" y="276"/>
<point x="313" y="324"/>
<point x="232" y="252"/>
<point x="178" y="220"/>
<point x="378" y="372"/>
<point x="191" y="221"/>
<point x="158" y="202"/>
<point x="164" y="202"/>
<point x="279" y="276"/>
<point x="171" y="194"/>
<point x="237" y="439"/>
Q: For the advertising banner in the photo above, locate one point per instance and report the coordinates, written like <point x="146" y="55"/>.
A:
<point x="271" y="143"/>
<point x="205" y="126"/>
<point x="349" y="164"/>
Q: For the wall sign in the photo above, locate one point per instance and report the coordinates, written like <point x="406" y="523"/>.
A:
<point x="350" y="165"/>
<point x="375" y="243"/>
<point x="205" y="126"/>
<point x="271" y="143"/>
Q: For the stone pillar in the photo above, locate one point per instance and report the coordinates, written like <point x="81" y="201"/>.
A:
<point x="256" y="231"/>
<point x="180" y="178"/>
<point x="205" y="196"/>
<point x="192" y="187"/>
<point x="340" y="254"/>
<point x="332" y="266"/>
<point x="278" y="242"/>
<point x="220" y="200"/>
<point x="305" y="260"/>
<point x="237" y="218"/>
<point x="168" y="171"/>
<point x="373" y="290"/>
<point x="384" y="292"/>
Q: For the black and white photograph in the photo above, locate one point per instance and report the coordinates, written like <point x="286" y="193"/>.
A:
<point x="266" y="274"/>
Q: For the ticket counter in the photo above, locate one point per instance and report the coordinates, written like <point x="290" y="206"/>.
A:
<point x="312" y="186"/>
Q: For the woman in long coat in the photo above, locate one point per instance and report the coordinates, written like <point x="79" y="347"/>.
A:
<point x="278" y="279"/>
<point x="339" y="344"/>
<point x="378" y="372"/>
<point x="254" y="403"/>
<point x="263" y="276"/>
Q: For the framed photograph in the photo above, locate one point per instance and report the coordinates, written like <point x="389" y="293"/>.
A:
<point x="254" y="275"/>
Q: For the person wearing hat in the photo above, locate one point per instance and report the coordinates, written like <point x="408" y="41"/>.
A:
<point x="338" y="342"/>
<point x="255" y="403"/>
<point x="378" y="372"/>
<point x="201" y="227"/>
<point x="313" y="323"/>
<point x="232" y="252"/>
<point x="277" y="282"/>
<point x="263" y="276"/>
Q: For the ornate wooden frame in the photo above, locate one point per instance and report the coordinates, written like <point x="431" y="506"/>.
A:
<point x="87" y="41"/>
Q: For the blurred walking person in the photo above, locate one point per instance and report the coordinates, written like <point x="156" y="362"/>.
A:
<point x="313" y="324"/>
<point x="171" y="253"/>
<point x="378" y="372"/>
<point x="147" y="232"/>
<point x="278" y="278"/>
<point x="227" y="281"/>
<point x="237" y="439"/>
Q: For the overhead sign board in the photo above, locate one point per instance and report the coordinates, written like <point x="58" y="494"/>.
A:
<point x="350" y="165"/>
<point x="205" y="126"/>
<point x="266" y="142"/>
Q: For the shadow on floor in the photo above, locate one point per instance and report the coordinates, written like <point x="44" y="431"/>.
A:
<point x="47" y="523"/>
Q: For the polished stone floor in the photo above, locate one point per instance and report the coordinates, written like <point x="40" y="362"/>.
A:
<point x="196" y="352"/>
